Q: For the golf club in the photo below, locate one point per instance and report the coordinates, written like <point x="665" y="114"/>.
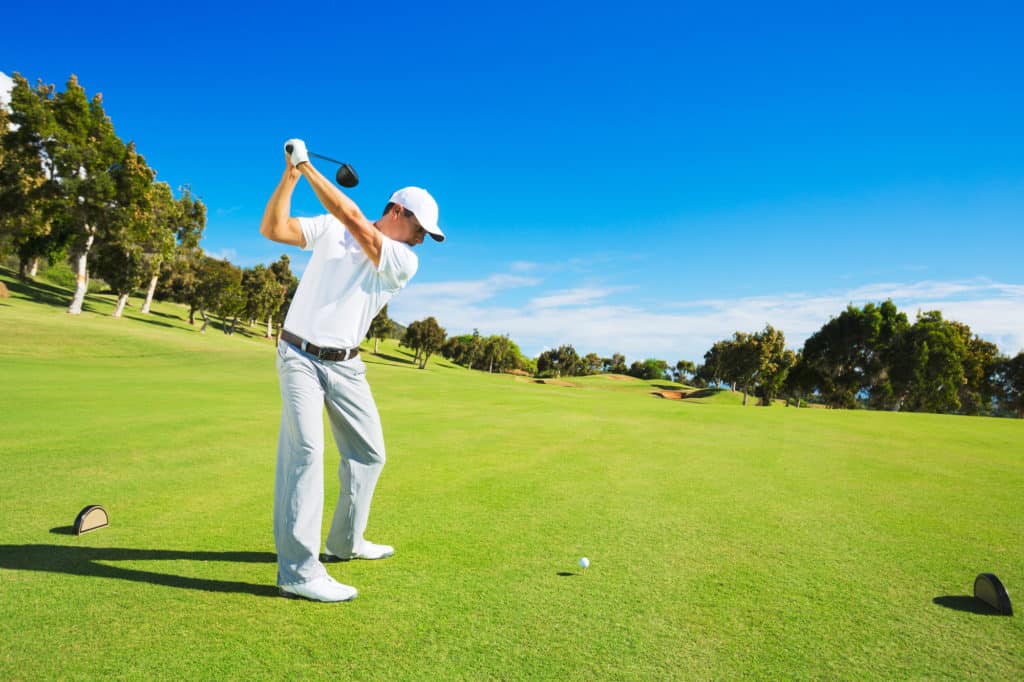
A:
<point x="346" y="175"/>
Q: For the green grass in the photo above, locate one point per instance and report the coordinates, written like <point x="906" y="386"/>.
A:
<point x="725" y="542"/>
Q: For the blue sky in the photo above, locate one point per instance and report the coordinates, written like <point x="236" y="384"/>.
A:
<point x="643" y="178"/>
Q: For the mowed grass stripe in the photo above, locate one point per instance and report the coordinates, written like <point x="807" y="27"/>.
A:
<point x="725" y="542"/>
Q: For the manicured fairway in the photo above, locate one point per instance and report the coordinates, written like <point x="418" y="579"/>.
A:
<point x="725" y="542"/>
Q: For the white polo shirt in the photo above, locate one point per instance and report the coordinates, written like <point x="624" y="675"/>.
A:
<point x="341" y="291"/>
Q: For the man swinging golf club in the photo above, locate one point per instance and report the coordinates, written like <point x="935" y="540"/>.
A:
<point x="356" y="267"/>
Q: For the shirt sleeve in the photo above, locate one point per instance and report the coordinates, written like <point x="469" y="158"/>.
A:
<point x="313" y="229"/>
<point x="397" y="263"/>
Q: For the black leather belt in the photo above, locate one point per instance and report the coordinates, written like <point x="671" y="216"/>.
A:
<point x="329" y="354"/>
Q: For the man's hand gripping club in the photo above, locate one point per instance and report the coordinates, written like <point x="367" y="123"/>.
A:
<point x="295" y="150"/>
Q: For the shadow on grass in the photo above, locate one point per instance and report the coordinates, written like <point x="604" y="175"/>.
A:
<point x="36" y="291"/>
<point x="141" y="317"/>
<point x="966" y="603"/>
<point x="567" y="574"/>
<point x="702" y="393"/>
<point x="371" y="359"/>
<point x="84" y="561"/>
<point x="395" y="358"/>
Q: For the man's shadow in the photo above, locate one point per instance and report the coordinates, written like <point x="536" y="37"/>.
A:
<point x="86" y="561"/>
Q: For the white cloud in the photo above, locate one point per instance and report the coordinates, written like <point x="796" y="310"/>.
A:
<point x="686" y="329"/>
<point x="451" y="295"/>
<point x="6" y="85"/>
<point x="572" y="297"/>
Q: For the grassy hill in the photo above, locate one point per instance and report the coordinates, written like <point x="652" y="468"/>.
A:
<point x="725" y="542"/>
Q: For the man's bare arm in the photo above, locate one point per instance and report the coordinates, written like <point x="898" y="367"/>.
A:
<point x="346" y="211"/>
<point x="277" y="224"/>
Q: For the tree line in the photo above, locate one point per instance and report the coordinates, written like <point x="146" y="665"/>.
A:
<point x="869" y="357"/>
<point x="874" y="357"/>
<point x="70" y="188"/>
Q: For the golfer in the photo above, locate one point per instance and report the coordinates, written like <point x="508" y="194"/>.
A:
<point x="356" y="267"/>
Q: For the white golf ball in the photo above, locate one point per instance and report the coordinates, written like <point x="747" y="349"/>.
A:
<point x="584" y="562"/>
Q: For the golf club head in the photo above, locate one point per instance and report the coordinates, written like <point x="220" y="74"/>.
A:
<point x="346" y="176"/>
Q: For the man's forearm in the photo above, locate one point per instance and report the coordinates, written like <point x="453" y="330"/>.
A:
<point x="345" y="210"/>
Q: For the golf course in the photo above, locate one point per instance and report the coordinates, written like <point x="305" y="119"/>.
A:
<point x="725" y="542"/>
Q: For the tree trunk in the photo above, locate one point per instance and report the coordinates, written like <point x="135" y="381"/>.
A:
<point x="191" y="315"/>
<point x="270" y="327"/>
<point x="33" y="269"/>
<point x="744" y="396"/>
<point x="82" y="276"/>
<point x="149" y="294"/>
<point x="121" y="300"/>
<point x="23" y="269"/>
<point x="376" y="346"/>
<point x="206" y="320"/>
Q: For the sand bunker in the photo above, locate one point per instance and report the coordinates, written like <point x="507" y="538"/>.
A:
<point x="671" y="395"/>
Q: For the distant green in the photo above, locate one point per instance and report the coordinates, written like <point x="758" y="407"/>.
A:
<point x="725" y="542"/>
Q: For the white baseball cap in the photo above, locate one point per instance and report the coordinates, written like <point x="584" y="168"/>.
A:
<point x="423" y="206"/>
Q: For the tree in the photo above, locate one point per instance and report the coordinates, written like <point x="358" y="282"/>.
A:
<point x="682" y="370"/>
<point x="561" y="361"/>
<point x="649" y="369"/>
<point x="800" y="382"/>
<point x="380" y="328"/>
<point x="83" y="148"/>
<point x="592" y="363"/>
<point x="427" y="336"/>
<point x="776" y="362"/>
<point x="712" y="372"/>
<point x="496" y="353"/>
<point x="616" y="364"/>
<point x="928" y="370"/>
<point x="288" y="282"/>
<point x="230" y="303"/>
<point x="27" y="178"/>
<point x="184" y="219"/>
<point x="218" y="288"/>
<point x="751" y="362"/>
<point x="411" y="339"/>
<point x="742" y="362"/>
<point x="130" y="227"/>
<point x="1009" y="382"/>
<point x="980" y="362"/>
<point x="454" y="349"/>
<point x="179" y="278"/>
<point x="850" y="354"/>
<point x="262" y="293"/>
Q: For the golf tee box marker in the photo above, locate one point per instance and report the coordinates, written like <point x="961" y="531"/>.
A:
<point x="92" y="517"/>
<point x="989" y="589"/>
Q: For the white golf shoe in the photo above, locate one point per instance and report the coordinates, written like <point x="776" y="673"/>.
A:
<point x="325" y="589"/>
<point x="367" y="550"/>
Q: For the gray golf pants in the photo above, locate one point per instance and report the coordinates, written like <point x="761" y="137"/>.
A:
<point x="307" y="385"/>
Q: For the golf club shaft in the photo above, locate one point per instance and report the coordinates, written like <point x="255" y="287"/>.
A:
<point x="325" y="158"/>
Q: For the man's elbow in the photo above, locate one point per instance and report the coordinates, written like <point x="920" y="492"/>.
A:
<point x="269" y="229"/>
